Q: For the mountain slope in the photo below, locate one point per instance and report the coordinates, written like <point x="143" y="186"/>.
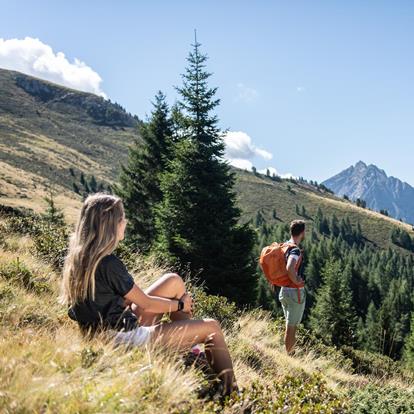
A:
<point x="372" y="184"/>
<point x="45" y="129"/>
<point x="261" y="193"/>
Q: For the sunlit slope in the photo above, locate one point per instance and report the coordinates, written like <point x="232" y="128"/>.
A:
<point x="47" y="129"/>
<point x="259" y="193"/>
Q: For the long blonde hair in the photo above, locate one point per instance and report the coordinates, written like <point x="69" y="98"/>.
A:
<point x="95" y="237"/>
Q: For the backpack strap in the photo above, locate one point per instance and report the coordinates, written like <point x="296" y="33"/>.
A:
<point x="298" y="263"/>
<point x="291" y="246"/>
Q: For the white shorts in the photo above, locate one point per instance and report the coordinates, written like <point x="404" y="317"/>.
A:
<point x="139" y="336"/>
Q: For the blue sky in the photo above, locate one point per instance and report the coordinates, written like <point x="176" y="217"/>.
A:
<point x="317" y="85"/>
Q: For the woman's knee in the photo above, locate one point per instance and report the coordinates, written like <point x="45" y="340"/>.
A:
<point x="213" y="325"/>
<point x="174" y="279"/>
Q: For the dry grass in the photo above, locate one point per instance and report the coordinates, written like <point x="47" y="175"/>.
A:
<point x="46" y="366"/>
<point x="20" y="188"/>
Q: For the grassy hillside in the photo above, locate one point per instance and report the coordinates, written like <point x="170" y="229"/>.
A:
<point x="46" y="366"/>
<point x="261" y="193"/>
<point x="45" y="129"/>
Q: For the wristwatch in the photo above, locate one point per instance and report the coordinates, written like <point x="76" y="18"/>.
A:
<point x="180" y="305"/>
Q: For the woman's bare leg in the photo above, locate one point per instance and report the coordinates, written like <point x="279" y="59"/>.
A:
<point x="170" y="286"/>
<point x="185" y="333"/>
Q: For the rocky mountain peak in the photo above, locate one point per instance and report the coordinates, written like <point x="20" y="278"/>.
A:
<point x="374" y="186"/>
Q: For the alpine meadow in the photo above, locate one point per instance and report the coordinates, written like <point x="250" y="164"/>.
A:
<point x="188" y="211"/>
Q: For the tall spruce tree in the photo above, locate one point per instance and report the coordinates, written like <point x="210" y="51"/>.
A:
<point x="197" y="220"/>
<point x="139" y="181"/>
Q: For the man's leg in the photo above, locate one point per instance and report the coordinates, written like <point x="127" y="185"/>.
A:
<point x="293" y="311"/>
<point x="290" y="338"/>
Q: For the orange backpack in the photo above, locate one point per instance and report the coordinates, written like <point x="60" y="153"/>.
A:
<point x="273" y="264"/>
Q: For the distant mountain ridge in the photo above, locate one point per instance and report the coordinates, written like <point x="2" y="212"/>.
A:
<point x="381" y="192"/>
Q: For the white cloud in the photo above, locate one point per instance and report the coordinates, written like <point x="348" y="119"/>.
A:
<point x="33" y="57"/>
<point x="240" y="163"/>
<point x="273" y="170"/>
<point x="289" y="175"/>
<point x="300" y="89"/>
<point x="240" y="151"/>
<point x="245" y="93"/>
<point x="239" y="146"/>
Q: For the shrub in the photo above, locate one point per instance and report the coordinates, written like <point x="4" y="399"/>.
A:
<point x="17" y="272"/>
<point x="368" y="363"/>
<point x="89" y="356"/>
<point x="216" y="307"/>
<point x="50" y="240"/>
<point x="299" y="394"/>
<point x="36" y="319"/>
<point x="380" y="400"/>
<point x="23" y="225"/>
<point x="51" y="243"/>
<point x="6" y="293"/>
<point x="2" y="238"/>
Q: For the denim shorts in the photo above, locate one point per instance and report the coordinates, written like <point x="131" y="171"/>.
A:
<point x="292" y="309"/>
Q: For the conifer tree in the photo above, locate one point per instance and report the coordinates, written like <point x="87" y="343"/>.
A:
<point x="177" y="122"/>
<point x="303" y="212"/>
<point x="265" y="296"/>
<point x="93" y="185"/>
<point x="409" y="345"/>
<point x="334" y="226"/>
<point x="197" y="220"/>
<point x="53" y="214"/>
<point x="333" y="317"/>
<point x="370" y="335"/>
<point x="259" y="219"/>
<point x="321" y="222"/>
<point x="139" y="181"/>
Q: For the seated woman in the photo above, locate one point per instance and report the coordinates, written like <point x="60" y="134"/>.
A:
<point x="101" y="294"/>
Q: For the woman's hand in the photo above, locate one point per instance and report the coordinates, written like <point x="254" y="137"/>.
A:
<point x="188" y="303"/>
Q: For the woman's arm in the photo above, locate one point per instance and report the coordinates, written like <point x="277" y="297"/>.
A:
<point x="156" y="304"/>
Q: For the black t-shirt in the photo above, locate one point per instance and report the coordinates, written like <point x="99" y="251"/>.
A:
<point x="112" y="283"/>
<point x="296" y="253"/>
